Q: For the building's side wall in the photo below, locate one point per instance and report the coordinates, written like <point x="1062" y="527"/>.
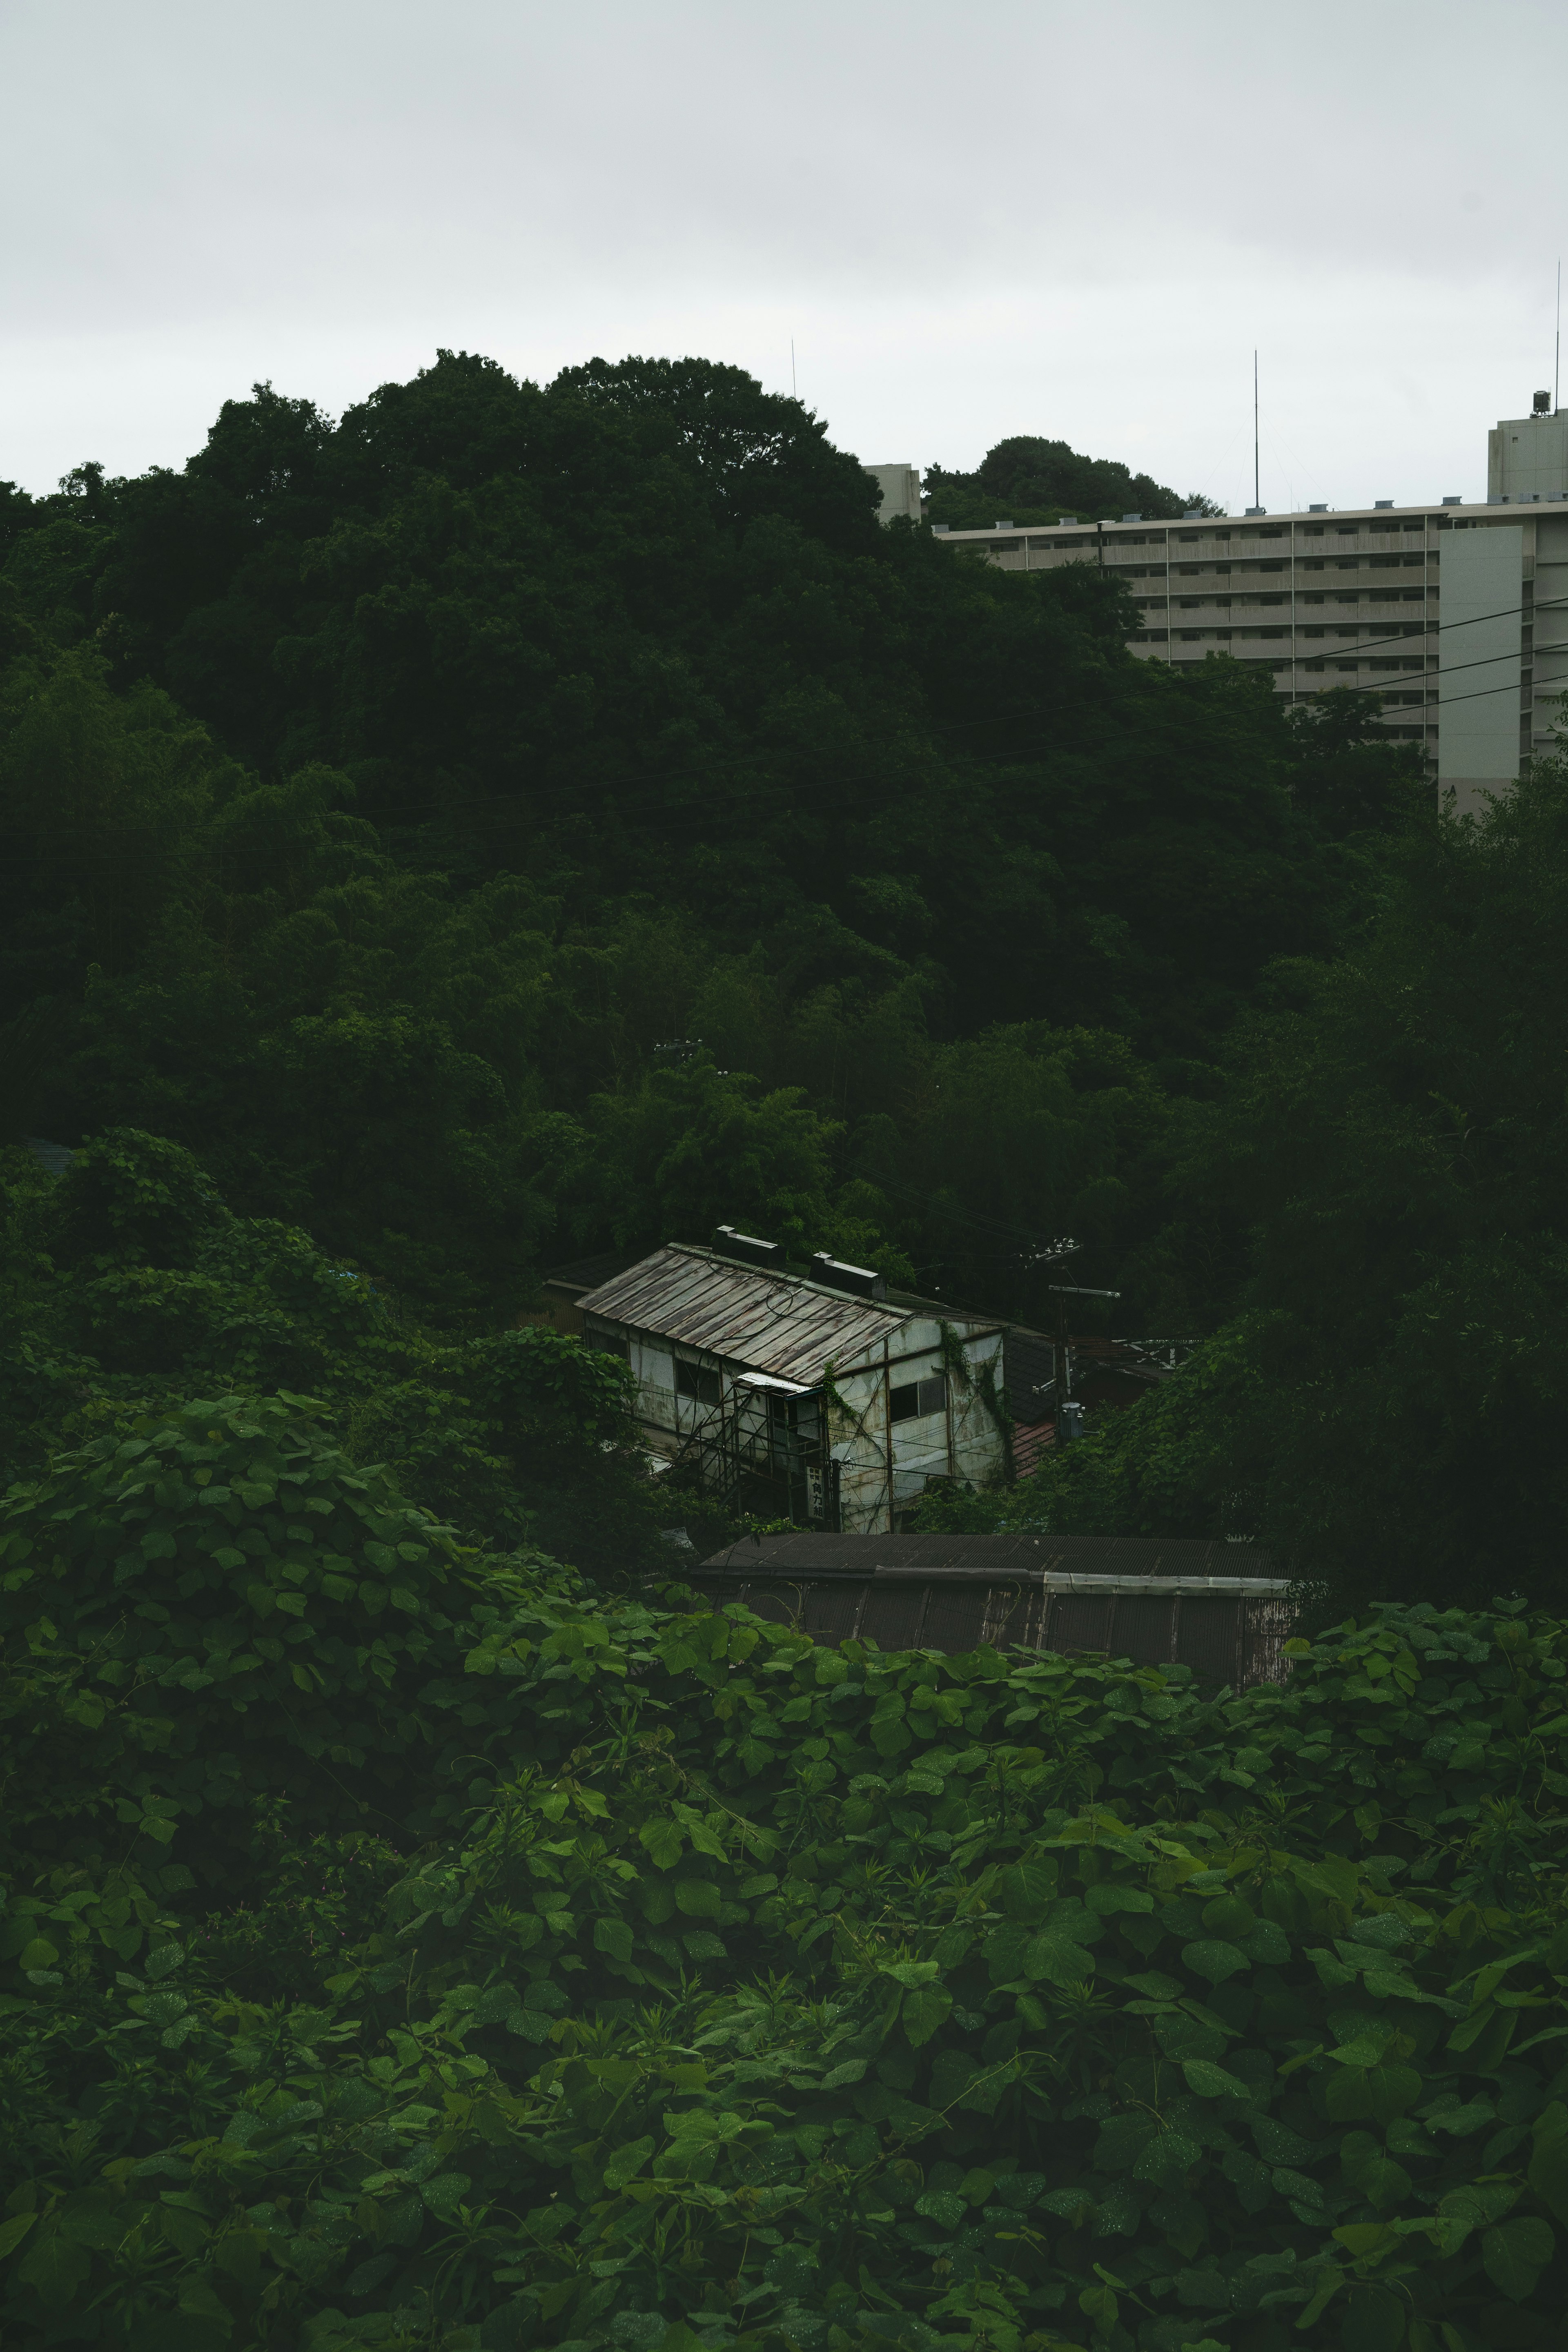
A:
<point x="1527" y="458"/>
<point x="900" y="488"/>
<point x="1479" y="683"/>
<point x="885" y="1465"/>
<point x="1550" y="636"/>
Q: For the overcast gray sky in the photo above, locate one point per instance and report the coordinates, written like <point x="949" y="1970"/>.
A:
<point x="974" y="220"/>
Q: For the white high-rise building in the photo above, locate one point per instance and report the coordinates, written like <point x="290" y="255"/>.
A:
<point x="1457" y="614"/>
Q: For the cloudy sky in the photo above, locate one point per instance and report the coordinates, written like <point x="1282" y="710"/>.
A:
<point x="971" y="219"/>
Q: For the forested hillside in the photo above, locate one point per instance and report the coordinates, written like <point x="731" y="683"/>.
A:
<point x="505" y="823"/>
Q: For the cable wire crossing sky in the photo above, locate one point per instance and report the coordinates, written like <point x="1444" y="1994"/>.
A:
<point x="969" y="222"/>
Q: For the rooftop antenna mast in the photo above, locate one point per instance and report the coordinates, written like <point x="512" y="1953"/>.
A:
<point x="1257" y="491"/>
<point x="1557" y="354"/>
<point x="792" y="393"/>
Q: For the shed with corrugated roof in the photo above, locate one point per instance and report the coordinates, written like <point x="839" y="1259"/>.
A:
<point x="815" y="1396"/>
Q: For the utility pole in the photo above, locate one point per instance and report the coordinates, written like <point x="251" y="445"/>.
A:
<point x="1257" y="475"/>
<point x="1066" y="1424"/>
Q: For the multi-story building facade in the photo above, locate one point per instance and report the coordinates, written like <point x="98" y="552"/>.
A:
<point x="1456" y="614"/>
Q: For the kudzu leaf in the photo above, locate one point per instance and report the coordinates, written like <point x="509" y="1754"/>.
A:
<point x="943" y="2205"/>
<point x="1514" y="2253"/>
<point x="1055" y="1957"/>
<point x="1212" y="2082"/>
<point x="625" y="2164"/>
<point x="924" y="2010"/>
<point x="1215" y="1960"/>
<point x="663" y="1841"/>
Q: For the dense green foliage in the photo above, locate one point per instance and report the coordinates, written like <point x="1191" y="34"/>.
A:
<point x="1388" y="1400"/>
<point x="1026" y="479"/>
<point x="383" y="797"/>
<point x="132" y="1286"/>
<point x="508" y="822"/>
<point x="402" y="1946"/>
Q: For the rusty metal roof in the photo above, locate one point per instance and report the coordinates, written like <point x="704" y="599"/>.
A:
<point x="1130" y="1561"/>
<point x="774" y="1323"/>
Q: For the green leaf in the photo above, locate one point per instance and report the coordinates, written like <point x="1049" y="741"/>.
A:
<point x="1027" y="1889"/>
<point x="697" y="1898"/>
<point x="625" y="2164"/>
<point x="1212" y="2082"/>
<point x="55" y="2267"/>
<point x="924" y="2010"/>
<point x="910" y="1972"/>
<point x="1514" y="2253"/>
<point x="1107" y="1900"/>
<point x="943" y="2205"/>
<point x="663" y="1841"/>
<point x="1214" y="1960"/>
<point x="1379" y="2093"/>
<point x="13" y="2231"/>
<point x="1549" y="2174"/>
<point x="612" y="1935"/>
<point x="1055" y="1958"/>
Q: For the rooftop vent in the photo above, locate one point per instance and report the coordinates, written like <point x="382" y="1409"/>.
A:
<point x="1542" y="403"/>
<point x="1066" y="517"/>
<point x="728" y="1242"/>
<point x="1256" y="510"/>
<point x="1496" y="502"/>
<point x="1323" y="509"/>
<point x="1453" y="502"/>
<point x="1192" y="514"/>
<point x="859" y="1281"/>
<point x="1137" y="518"/>
<point x="943" y="527"/>
<point x="999" y="525"/>
<point x="1381" y="505"/>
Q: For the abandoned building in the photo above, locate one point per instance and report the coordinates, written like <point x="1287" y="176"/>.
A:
<point x="817" y="1396"/>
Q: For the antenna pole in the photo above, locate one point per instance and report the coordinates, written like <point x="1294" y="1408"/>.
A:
<point x="1557" y="355"/>
<point x="793" y="394"/>
<point x="1257" y="492"/>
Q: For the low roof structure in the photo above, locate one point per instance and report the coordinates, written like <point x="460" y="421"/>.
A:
<point x="1219" y="1608"/>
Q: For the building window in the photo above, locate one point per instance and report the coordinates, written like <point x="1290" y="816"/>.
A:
<point x="610" y="1343"/>
<point x="913" y="1400"/>
<point x="696" y="1381"/>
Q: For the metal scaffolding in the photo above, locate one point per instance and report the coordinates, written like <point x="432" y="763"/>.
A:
<point x="764" y="1449"/>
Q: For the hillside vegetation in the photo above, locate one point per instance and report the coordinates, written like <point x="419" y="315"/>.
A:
<point x="406" y="1946"/>
<point x="505" y="823"/>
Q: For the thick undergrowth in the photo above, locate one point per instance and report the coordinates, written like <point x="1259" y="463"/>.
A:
<point x="408" y="1945"/>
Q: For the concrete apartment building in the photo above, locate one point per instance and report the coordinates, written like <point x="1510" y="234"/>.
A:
<point x="1455" y="613"/>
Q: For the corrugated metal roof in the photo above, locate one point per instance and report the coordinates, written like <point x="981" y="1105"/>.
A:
<point x="1014" y="1551"/>
<point x="774" y="1322"/>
